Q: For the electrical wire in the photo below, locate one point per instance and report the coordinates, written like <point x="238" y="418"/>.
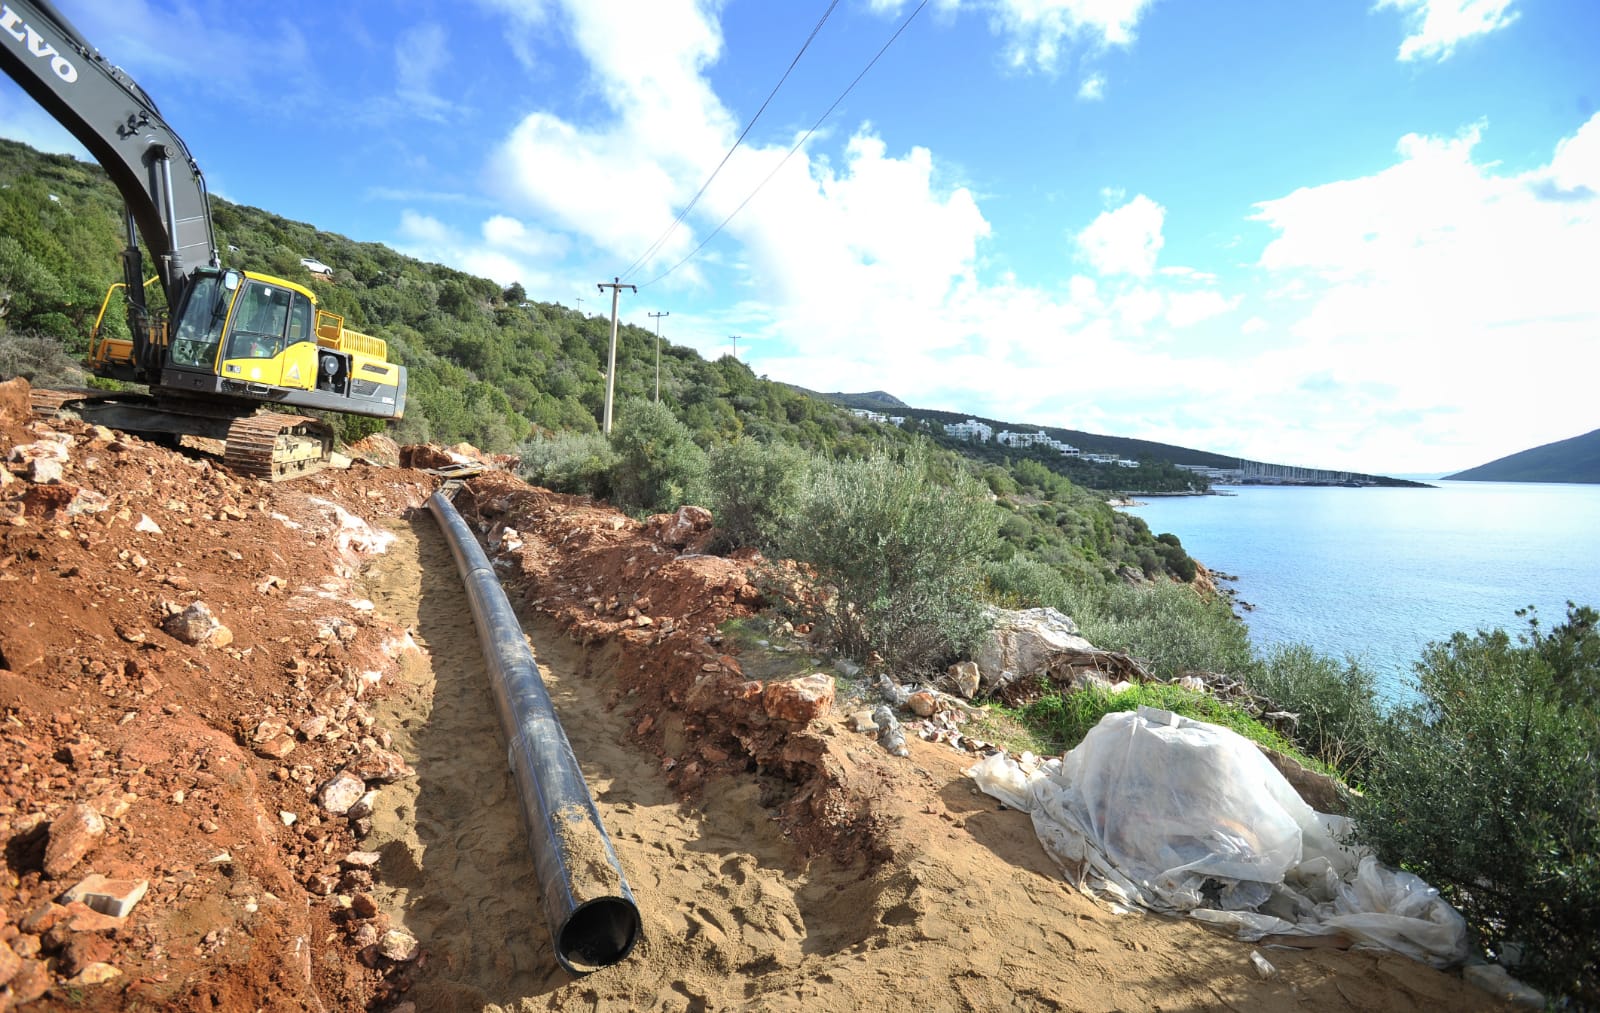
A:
<point x="647" y="254"/>
<point x="797" y="146"/>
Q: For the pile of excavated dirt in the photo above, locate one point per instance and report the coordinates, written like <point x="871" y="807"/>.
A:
<point x="297" y="796"/>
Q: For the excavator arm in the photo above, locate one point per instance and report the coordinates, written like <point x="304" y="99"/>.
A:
<point x="204" y="379"/>
<point x="119" y="124"/>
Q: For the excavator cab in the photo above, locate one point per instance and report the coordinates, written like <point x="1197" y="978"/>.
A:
<point x="249" y="327"/>
<point x="198" y="333"/>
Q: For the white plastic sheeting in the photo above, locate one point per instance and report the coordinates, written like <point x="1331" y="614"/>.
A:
<point x="1175" y="815"/>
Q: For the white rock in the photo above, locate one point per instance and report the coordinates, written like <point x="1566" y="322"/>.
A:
<point x="340" y="792"/>
<point x="1025" y="643"/>
<point x="398" y="945"/>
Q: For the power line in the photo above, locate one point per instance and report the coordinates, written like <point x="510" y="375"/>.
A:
<point x="647" y="254"/>
<point x="797" y="146"/>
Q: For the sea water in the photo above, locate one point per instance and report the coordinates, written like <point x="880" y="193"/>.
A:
<point x="1378" y="574"/>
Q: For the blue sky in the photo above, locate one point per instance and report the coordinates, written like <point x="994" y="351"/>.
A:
<point x="1342" y="235"/>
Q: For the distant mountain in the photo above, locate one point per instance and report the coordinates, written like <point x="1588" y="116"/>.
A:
<point x="1574" y="460"/>
<point x="872" y="400"/>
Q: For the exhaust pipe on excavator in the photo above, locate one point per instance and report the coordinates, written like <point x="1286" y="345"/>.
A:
<point x="593" y="919"/>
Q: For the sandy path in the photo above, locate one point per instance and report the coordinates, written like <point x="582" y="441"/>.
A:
<point x="714" y="889"/>
<point x="971" y="915"/>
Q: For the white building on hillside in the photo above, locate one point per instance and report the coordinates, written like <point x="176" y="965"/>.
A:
<point x="970" y="430"/>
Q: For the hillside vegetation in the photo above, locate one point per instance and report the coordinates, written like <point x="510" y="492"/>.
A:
<point x="1574" y="460"/>
<point x="505" y="372"/>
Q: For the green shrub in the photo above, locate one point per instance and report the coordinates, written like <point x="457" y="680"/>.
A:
<point x="1488" y="790"/>
<point x="1065" y="718"/>
<point x="578" y="463"/>
<point x="659" y="467"/>
<point x="1336" y="704"/>
<point x="903" y="546"/>
<point x="1025" y="582"/>
<point x="1170" y="626"/>
<point x="755" y="491"/>
<point x="40" y="358"/>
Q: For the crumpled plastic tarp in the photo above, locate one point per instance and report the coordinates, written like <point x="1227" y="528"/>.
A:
<point x="1181" y="816"/>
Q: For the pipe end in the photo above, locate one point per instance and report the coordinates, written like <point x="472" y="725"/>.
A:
<point x="598" y="934"/>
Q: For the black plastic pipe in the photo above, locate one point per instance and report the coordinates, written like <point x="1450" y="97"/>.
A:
<point x="594" y="921"/>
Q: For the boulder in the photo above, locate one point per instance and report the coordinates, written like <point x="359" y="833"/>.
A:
<point x="72" y="836"/>
<point x="376" y="449"/>
<point x="1317" y="790"/>
<point x="966" y="678"/>
<point x="14" y="403"/>
<point x="381" y="765"/>
<point x="687" y="529"/>
<point x="799" y="700"/>
<point x="1025" y="643"/>
<point x="399" y="946"/>
<point x="196" y="625"/>
<point x="341" y="792"/>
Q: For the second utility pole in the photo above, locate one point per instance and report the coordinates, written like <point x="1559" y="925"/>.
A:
<point x="616" y="287"/>
<point x="658" y="316"/>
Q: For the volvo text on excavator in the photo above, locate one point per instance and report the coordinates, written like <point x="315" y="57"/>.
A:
<point x="227" y="342"/>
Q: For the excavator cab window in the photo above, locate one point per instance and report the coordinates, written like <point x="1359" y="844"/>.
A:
<point x="199" y="330"/>
<point x="300" y="320"/>
<point x="261" y="319"/>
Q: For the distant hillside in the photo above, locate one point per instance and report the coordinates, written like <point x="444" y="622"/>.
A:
<point x="1574" y="460"/>
<point x="1092" y="443"/>
<point x="872" y="400"/>
<point x="1089" y="443"/>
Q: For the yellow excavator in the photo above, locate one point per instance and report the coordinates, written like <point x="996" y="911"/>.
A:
<point x="229" y="343"/>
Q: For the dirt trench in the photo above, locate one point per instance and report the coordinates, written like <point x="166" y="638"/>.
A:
<point x="716" y="883"/>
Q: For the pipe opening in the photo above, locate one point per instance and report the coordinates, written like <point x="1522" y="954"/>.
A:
<point x="598" y="934"/>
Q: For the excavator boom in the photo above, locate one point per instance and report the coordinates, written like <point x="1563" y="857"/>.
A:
<point x="121" y="127"/>
<point x="227" y="341"/>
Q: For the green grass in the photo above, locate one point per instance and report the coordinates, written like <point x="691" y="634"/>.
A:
<point x="1062" y="720"/>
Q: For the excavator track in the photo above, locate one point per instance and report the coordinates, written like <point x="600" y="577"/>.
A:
<point x="268" y="445"/>
<point x="47" y="404"/>
<point x="274" y="447"/>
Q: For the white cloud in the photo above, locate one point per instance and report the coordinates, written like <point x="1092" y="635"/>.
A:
<point x="420" y="53"/>
<point x="620" y="183"/>
<point x="1436" y="26"/>
<point x="1093" y="88"/>
<point x="1185" y="309"/>
<point x="1125" y="240"/>
<point x="1037" y="28"/>
<point x="506" y="250"/>
<point x="1037" y="31"/>
<point x="1465" y="294"/>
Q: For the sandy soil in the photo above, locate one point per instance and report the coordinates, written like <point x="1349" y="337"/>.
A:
<point x="777" y="865"/>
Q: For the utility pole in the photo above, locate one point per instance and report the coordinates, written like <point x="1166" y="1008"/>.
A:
<point x="580" y="305"/>
<point x="658" y="316"/>
<point x="616" y="287"/>
<point x="735" y="339"/>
